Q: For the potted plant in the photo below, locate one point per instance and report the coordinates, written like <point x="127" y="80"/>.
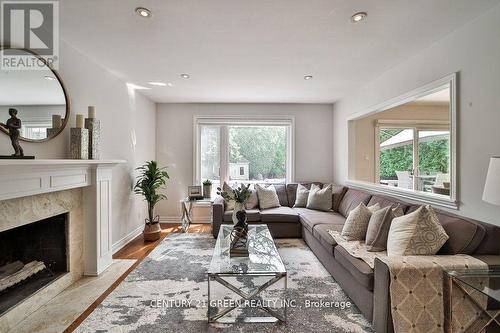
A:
<point x="207" y="188"/>
<point x="240" y="195"/>
<point x="150" y="180"/>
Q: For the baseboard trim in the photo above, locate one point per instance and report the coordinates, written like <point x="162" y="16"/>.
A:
<point x="125" y="240"/>
<point x="169" y="219"/>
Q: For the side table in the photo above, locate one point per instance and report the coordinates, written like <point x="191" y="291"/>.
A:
<point x="187" y="210"/>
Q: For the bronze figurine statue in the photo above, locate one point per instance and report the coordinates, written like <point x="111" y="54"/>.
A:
<point x="13" y="125"/>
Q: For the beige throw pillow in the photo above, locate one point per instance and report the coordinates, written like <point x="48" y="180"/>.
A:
<point x="268" y="198"/>
<point x="320" y="198"/>
<point x="301" y="196"/>
<point x="356" y="224"/>
<point x="417" y="233"/>
<point x="253" y="200"/>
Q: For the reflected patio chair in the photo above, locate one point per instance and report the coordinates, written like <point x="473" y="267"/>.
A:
<point x="404" y="179"/>
<point x="442" y="178"/>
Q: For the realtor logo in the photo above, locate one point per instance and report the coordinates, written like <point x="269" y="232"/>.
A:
<point x="30" y="25"/>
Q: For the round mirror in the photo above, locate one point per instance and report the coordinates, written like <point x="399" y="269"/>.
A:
<point x="39" y="98"/>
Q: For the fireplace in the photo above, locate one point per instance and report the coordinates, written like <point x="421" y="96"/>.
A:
<point x="31" y="257"/>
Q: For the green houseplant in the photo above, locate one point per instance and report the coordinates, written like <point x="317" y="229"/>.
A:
<point x="150" y="180"/>
<point x="207" y="188"/>
<point x="239" y="194"/>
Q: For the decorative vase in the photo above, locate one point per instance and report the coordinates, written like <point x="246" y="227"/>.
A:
<point x="238" y="206"/>
<point x="207" y="191"/>
<point x="152" y="231"/>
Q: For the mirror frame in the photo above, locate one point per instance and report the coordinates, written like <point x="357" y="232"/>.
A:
<point x="451" y="202"/>
<point x="66" y="97"/>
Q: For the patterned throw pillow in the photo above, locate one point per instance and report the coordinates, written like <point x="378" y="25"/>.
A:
<point x="301" y="196"/>
<point x="417" y="233"/>
<point x="253" y="200"/>
<point x="320" y="198"/>
<point x="268" y="198"/>
<point x="356" y="224"/>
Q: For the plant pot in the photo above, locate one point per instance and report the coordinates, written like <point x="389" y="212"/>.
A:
<point x="207" y="191"/>
<point x="237" y="207"/>
<point x="152" y="232"/>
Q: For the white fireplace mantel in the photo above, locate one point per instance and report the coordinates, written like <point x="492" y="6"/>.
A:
<point x="21" y="178"/>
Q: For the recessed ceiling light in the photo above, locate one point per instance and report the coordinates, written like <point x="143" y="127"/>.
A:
<point x="50" y="78"/>
<point x="185" y="76"/>
<point x="143" y="12"/>
<point x="308" y="77"/>
<point x="157" y="83"/>
<point x="170" y="84"/>
<point x="358" y="17"/>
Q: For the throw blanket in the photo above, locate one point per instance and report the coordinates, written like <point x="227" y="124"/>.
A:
<point x="416" y="288"/>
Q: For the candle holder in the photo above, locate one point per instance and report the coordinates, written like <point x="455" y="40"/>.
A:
<point x="79" y="143"/>
<point x="94" y="127"/>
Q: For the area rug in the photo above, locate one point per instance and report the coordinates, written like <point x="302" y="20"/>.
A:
<point x="167" y="292"/>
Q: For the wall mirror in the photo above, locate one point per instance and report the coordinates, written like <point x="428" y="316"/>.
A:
<point x="407" y="147"/>
<point x="39" y="98"/>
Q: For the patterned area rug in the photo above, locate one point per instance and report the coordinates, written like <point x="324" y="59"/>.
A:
<point x="167" y="292"/>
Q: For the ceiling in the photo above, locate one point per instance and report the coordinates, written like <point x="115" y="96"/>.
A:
<point x="257" y="51"/>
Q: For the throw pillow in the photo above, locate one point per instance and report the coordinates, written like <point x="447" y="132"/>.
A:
<point x="229" y="204"/>
<point x="378" y="229"/>
<point x="417" y="233"/>
<point x="320" y="198"/>
<point x="356" y="224"/>
<point x="301" y="196"/>
<point x="253" y="200"/>
<point x="268" y="198"/>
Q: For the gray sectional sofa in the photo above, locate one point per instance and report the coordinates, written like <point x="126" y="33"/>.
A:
<point x="368" y="288"/>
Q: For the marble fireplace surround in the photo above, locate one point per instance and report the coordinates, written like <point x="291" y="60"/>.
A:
<point x="32" y="190"/>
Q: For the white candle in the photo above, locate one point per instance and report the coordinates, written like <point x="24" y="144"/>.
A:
<point x="56" y="121"/>
<point x="79" y="121"/>
<point x="91" y="112"/>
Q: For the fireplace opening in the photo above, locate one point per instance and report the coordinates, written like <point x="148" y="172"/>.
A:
<point x="31" y="257"/>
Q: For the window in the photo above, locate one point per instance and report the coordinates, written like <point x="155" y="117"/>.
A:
<point x="405" y="147"/>
<point x="243" y="151"/>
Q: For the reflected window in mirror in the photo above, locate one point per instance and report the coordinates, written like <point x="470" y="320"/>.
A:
<point x="39" y="98"/>
<point x="407" y="148"/>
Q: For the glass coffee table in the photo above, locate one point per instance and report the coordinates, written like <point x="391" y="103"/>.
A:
<point x="262" y="269"/>
<point x="486" y="282"/>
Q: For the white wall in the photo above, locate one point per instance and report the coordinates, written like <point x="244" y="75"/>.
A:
<point x="120" y="111"/>
<point x="474" y="52"/>
<point x="174" y="141"/>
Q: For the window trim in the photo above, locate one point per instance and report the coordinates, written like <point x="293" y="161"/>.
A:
<point x="452" y="202"/>
<point x="249" y="120"/>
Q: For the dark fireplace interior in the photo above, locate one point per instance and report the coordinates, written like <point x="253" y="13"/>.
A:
<point x="31" y="257"/>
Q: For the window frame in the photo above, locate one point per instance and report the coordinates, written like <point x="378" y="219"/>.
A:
<point x="224" y="122"/>
<point x="451" y="202"/>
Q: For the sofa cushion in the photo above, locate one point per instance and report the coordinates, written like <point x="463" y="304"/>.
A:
<point x="291" y="190"/>
<point x="464" y="235"/>
<point x="384" y="201"/>
<point x="310" y="218"/>
<point x="326" y="240"/>
<point x="281" y="191"/>
<point x="352" y="198"/>
<point x="338" y="192"/>
<point x="279" y="214"/>
<point x="357" y="267"/>
<point x="489" y="243"/>
<point x="253" y="215"/>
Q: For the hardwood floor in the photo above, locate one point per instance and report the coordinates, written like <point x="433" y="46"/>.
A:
<point x="137" y="249"/>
